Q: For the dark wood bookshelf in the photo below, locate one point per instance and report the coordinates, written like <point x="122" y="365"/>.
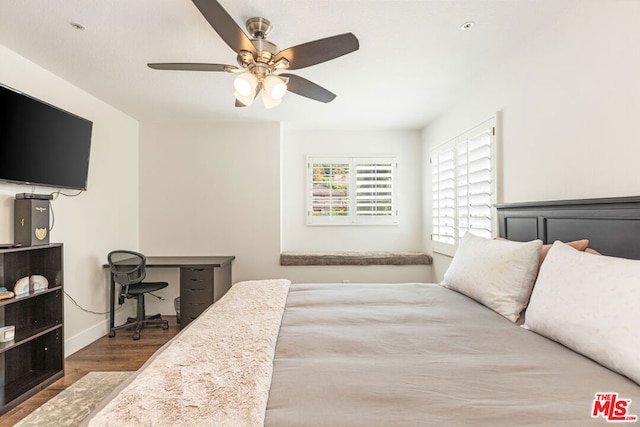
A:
<point x="35" y="357"/>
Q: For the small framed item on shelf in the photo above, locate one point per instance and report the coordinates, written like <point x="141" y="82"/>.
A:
<point x="7" y="333"/>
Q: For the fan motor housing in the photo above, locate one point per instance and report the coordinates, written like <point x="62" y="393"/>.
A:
<point x="259" y="28"/>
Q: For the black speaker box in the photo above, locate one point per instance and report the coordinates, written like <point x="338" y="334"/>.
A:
<point x="31" y="222"/>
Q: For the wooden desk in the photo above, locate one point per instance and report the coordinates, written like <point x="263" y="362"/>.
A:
<point x="203" y="281"/>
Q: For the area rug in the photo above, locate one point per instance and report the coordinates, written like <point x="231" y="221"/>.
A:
<point x="74" y="403"/>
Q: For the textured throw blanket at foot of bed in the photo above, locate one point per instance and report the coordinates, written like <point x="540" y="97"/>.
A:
<point x="215" y="372"/>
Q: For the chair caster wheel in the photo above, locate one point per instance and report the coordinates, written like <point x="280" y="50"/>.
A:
<point x="165" y="326"/>
<point x="112" y="334"/>
<point x="136" y="337"/>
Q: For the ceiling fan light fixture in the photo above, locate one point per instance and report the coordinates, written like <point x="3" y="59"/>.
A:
<point x="259" y="59"/>
<point x="245" y="85"/>
<point x="275" y="87"/>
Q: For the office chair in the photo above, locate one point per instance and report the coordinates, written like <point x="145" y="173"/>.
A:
<point x="128" y="269"/>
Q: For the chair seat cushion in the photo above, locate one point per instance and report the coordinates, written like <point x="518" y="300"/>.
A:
<point x="140" y="288"/>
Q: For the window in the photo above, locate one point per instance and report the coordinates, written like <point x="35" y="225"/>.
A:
<point x="463" y="178"/>
<point x="351" y="190"/>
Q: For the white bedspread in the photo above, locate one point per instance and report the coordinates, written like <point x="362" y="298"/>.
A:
<point x="216" y="372"/>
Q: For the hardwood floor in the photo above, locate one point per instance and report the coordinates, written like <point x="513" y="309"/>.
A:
<point x="120" y="353"/>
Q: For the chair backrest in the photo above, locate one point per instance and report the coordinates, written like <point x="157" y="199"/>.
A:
<point x="128" y="267"/>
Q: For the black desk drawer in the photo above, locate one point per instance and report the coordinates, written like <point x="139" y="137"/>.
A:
<point x="191" y="310"/>
<point x="196" y="285"/>
<point x="196" y="292"/>
<point x="201" y="295"/>
<point x="196" y="275"/>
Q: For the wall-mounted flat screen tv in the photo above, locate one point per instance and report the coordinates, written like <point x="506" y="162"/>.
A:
<point x="41" y="144"/>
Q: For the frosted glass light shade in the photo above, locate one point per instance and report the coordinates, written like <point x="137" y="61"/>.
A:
<point x="245" y="100"/>
<point x="245" y="84"/>
<point x="275" y="87"/>
<point x="268" y="101"/>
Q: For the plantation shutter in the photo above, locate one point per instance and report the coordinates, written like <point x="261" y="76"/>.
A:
<point x="374" y="188"/>
<point x="330" y="188"/>
<point x="351" y="190"/>
<point x="443" y="175"/>
<point x="463" y="187"/>
<point x="473" y="188"/>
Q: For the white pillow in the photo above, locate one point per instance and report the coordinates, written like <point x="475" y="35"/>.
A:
<point x="589" y="303"/>
<point x="496" y="273"/>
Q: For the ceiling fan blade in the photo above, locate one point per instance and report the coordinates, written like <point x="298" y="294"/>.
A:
<point x="306" y="88"/>
<point x="315" y="52"/>
<point x="190" y="66"/>
<point x="224" y="25"/>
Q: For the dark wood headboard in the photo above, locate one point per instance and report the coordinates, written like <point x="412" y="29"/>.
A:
<point x="612" y="225"/>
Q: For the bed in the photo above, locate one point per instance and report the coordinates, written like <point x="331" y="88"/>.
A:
<point x="462" y="352"/>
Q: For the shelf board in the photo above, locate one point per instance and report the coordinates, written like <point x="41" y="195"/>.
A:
<point x="29" y="384"/>
<point x="29" y="295"/>
<point x="26" y="335"/>
<point x="30" y="248"/>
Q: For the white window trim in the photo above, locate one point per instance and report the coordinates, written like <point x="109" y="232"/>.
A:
<point x="351" y="219"/>
<point x="489" y="127"/>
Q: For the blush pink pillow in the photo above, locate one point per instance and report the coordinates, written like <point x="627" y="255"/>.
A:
<point x="580" y="245"/>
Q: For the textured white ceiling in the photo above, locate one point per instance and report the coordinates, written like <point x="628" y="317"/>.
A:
<point x="414" y="60"/>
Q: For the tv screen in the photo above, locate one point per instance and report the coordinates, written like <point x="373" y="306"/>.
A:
<point x="41" y="144"/>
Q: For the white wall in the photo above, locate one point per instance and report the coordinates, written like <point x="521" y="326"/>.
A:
<point x="570" y="103"/>
<point x="405" y="236"/>
<point x="211" y="189"/>
<point x="103" y="218"/>
<point x="214" y="189"/>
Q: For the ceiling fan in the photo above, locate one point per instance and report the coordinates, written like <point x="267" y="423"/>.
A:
<point x="260" y="62"/>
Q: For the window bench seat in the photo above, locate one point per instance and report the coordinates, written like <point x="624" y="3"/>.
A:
<point x="355" y="258"/>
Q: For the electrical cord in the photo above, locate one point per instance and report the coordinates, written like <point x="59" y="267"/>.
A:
<point x="105" y="312"/>
<point x="84" y="309"/>
<point x="55" y="195"/>
<point x="53" y="217"/>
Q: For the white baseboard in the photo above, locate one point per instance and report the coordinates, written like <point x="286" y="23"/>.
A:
<point x="89" y="335"/>
<point x="97" y="331"/>
<point x="86" y="337"/>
